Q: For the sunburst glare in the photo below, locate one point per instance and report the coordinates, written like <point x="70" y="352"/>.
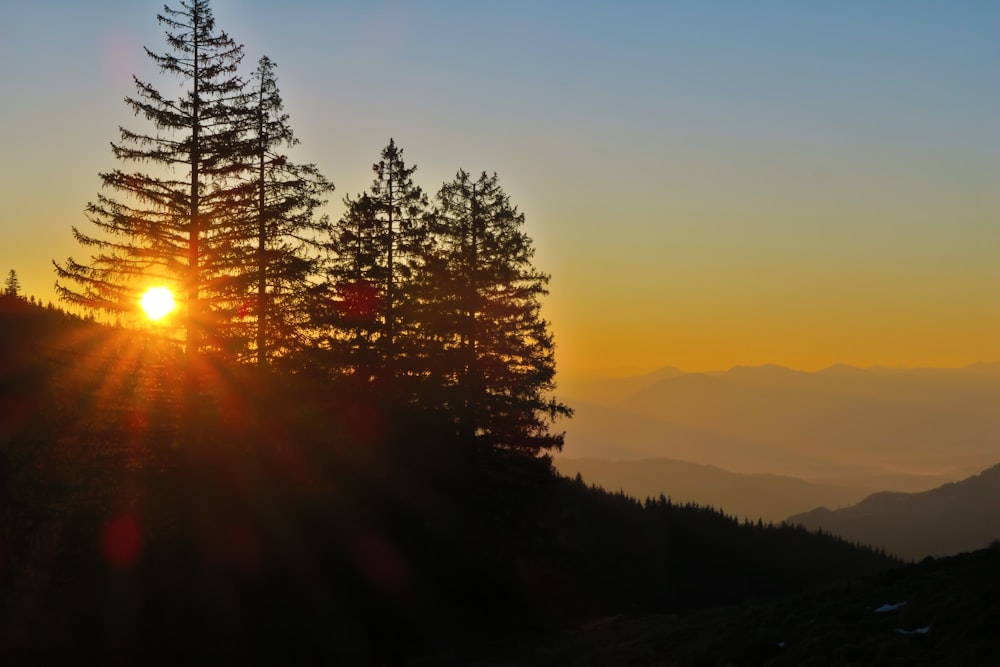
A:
<point x="157" y="303"/>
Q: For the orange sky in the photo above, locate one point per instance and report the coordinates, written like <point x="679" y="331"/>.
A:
<point x="707" y="185"/>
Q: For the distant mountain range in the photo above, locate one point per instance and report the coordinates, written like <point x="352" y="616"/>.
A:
<point x="900" y="429"/>
<point x="956" y="517"/>
<point x="765" y="496"/>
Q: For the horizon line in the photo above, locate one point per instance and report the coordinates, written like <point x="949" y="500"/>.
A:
<point x="618" y="375"/>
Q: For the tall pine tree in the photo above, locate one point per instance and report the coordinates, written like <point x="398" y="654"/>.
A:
<point x="161" y="226"/>
<point x="375" y="245"/>
<point x="283" y="231"/>
<point x="489" y="354"/>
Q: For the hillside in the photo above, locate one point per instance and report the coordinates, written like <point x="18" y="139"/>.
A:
<point x="294" y="517"/>
<point x="948" y="616"/>
<point x="956" y="517"/>
<point x="768" y="497"/>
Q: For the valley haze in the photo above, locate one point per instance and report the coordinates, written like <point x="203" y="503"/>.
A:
<point x="769" y="441"/>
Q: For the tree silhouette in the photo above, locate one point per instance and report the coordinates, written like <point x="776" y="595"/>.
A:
<point x="375" y="244"/>
<point x="399" y="207"/>
<point x="284" y="229"/>
<point x="12" y="286"/>
<point x="489" y="353"/>
<point x="161" y="227"/>
<point x="351" y="319"/>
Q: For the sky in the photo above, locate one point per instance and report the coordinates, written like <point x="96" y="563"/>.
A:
<point x="708" y="183"/>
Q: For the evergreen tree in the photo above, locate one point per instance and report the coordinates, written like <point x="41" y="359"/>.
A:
<point x="283" y="226"/>
<point x="162" y="227"/>
<point x="12" y="286"/>
<point x="399" y="207"/>
<point x="487" y="349"/>
<point x="375" y="245"/>
<point x="352" y="316"/>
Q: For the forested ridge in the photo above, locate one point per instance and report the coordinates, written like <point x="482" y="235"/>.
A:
<point x="317" y="521"/>
<point x="337" y="447"/>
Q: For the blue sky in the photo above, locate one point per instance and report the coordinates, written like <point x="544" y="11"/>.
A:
<point x="708" y="183"/>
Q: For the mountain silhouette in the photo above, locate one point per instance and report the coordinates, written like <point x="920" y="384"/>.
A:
<point x="762" y="495"/>
<point x="955" y="517"/>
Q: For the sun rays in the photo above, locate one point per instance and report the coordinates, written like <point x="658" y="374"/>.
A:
<point x="157" y="303"/>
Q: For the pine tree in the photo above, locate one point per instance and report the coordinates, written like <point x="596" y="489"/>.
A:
<point x="12" y="286"/>
<point x="399" y="207"/>
<point x="163" y="227"/>
<point x="375" y="245"/>
<point x="283" y="228"/>
<point x="351" y="319"/>
<point x="489" y="354"/>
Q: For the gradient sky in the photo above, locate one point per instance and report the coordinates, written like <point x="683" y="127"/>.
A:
<point x="709" y="183"/>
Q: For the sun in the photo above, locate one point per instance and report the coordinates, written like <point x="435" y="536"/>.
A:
<point x="157" y="303"/>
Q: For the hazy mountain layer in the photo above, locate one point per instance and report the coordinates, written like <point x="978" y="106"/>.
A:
<point x="610" y="432"/>
<point x="956" y="517"/>
<point x="842" y="422"/>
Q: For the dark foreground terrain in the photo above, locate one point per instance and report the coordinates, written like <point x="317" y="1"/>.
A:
<point x="153" y="512"/>
<point x="937" y="612"/>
